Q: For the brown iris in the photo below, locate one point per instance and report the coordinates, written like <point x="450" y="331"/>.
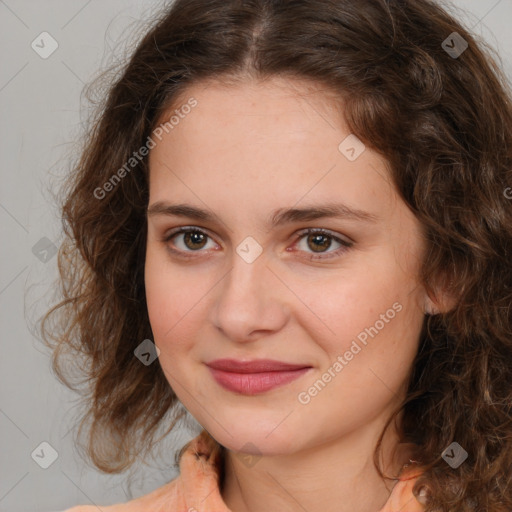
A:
<point x="316" y="238"/>
<point x="196" y="238"/>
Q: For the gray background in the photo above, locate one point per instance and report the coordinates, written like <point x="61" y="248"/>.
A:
<point x="41" y="115"/>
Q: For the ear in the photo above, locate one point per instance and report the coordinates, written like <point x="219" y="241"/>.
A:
<point x="441" y="300"/>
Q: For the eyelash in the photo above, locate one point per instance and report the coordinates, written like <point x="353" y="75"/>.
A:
<point x="345" y="245"/>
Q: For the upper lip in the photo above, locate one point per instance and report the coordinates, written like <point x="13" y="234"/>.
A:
<point x="254" y="366"/>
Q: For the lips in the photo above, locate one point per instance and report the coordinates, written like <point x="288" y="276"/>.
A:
<point x="256" y="366"/>
<point x="253" y="377"/>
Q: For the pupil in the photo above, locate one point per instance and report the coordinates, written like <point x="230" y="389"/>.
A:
<point x="316" y="238"/>
<point x="195" y="238"/>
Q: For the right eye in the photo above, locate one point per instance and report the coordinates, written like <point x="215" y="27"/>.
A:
<point x="188" y="240"/>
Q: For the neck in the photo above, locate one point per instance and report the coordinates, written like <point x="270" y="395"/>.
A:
<point x="337" y="475"/>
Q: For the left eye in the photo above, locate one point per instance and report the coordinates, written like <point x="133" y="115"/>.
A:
<point x="319" y="240"/>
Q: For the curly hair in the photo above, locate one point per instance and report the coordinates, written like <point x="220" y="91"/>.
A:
<point x="442" y="120"/>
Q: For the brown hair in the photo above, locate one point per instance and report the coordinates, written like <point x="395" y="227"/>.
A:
<point x="444" y="123"/>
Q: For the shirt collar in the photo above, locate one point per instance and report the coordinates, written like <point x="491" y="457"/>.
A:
<point x="201" y="471"/>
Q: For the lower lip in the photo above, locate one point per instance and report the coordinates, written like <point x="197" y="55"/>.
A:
<point x="254" y="383"/>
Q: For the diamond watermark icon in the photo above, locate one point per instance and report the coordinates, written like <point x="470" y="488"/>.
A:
<point x="146" y="352"/>
<point x="44" y="249"/>
<point x="454" y="455"/>
<point x="351" y="147"/>
<point x="249" y="459"/>
<point x="249" y="249"/>
<point x="44" y="45"/>
<point x="454" y="45"/>
<point x="44" y="455"/>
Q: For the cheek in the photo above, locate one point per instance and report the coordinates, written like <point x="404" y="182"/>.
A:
<point x="374" y="325"/>
<point x="158" y="293"/>
<point x="177" y="303"/>
<point x="344" y="305"/>
<point x="165" y="296"/>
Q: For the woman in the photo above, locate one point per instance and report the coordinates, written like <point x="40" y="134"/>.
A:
<point x="244" y="140"/>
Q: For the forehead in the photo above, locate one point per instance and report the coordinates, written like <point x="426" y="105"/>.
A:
<point x="260" y="110"/>
<point x="278" y="140"/>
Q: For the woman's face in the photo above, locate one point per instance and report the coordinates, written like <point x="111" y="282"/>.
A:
<point x="257" y="165"/>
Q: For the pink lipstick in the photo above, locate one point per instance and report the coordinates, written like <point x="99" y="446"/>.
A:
<point x="253" y="377"/>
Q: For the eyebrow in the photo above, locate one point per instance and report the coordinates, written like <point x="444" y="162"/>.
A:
<point x="278" y="217"/>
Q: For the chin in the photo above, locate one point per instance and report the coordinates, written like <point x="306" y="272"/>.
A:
<point x="259" y="437"/>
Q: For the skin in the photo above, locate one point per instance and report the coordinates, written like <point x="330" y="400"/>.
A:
<point x="243" y="152"/>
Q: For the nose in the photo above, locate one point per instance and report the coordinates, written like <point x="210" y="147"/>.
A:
<point x="251" y="301"/>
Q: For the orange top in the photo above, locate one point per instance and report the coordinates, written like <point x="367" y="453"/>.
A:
<point x="196" y="489"/>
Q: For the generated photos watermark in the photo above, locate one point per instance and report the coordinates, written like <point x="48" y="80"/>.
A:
<point x="143" y="151"/>
<point x="304" y="397"/>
